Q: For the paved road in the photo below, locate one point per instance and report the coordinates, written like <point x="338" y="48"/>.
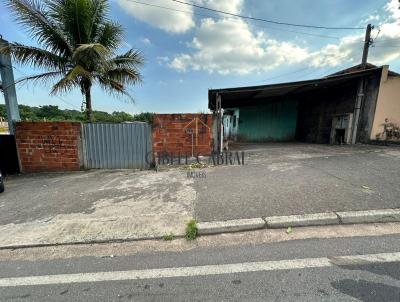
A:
<point x="340" y="269"/>
<point x="288" y="179"/>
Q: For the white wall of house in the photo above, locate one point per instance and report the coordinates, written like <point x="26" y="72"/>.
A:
<point x="387" y="112"/>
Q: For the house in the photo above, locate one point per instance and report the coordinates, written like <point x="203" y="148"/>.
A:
<point x="314" y="111"/>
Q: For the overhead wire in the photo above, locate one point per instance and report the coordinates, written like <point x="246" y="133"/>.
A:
<point x="233" y="18"/>
<point x="265" y="20"/>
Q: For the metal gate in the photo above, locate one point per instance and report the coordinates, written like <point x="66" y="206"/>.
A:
<point x="116" y="146"/>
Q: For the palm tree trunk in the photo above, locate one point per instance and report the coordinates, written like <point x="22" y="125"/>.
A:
<point x="88" y="98"/>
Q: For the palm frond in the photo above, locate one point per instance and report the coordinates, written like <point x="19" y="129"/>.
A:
<point x="91" y="55"/>
<point x="32" y="15"/>
<point x="77" y="41"/>
<point x="132" y="58"/>
<point x="35" y="56"/>
<point x="124" y="76"/>
<point x="114" y="87"/>
<point x="110" y="35"/>
<point x="72" y="79"/>
<point x="43" y="77"/>
<point x="99" y="10"/>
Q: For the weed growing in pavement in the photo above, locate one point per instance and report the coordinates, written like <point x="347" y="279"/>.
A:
<point x="169" y="237"/>
<point x="191" y="230"/>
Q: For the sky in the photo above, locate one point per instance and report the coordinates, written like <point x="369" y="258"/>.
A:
<point x="189" y="50"/>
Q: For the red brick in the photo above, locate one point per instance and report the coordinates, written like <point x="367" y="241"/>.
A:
<point x="48" y="146"/>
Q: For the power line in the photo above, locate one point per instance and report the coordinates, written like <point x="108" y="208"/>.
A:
<point x="387" y="46"/>
<point x="277" y="77"/>
<point x="264" y="20"/>
<point x="233" y="18"/>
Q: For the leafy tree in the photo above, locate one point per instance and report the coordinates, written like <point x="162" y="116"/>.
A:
<point x="77" y="44"/>
<point x="53" y="113"/>
<point x="49" y="112"/>
<point x="144" y="117"/>
<point x="27" y="113"/>
<point x="102" y="116"/>
<point x="122" y="117"/>
<point x="3" y="111"/>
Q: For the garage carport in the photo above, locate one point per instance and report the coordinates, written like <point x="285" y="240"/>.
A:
<point x="302" y="111"/>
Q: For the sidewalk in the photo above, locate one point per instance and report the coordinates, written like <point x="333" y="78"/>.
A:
<point x="94" y="206"/>
<point x="281" y="185"/>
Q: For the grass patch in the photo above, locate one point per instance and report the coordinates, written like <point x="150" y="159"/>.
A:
<point x="191" y="230"/>
<point x="169" y="237"/>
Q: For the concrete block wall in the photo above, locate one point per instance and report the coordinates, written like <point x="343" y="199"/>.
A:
<point x="172" y="133"/>
<point x="48" y="146"/>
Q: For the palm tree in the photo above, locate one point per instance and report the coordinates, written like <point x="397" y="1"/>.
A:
<point x="77" y="43"/>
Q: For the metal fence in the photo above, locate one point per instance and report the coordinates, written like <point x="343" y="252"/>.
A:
<point x="116" y="146"/>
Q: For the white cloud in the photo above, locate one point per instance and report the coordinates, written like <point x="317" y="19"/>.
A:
<point x="392" y="7"/>
<point x="230" y="46"/>
<point x="146" y="41"/>
<point x="162" y="60"/>
<point x="231" y="6"/>
<point x="370" y="19"/>
<point x="168" y="20"/>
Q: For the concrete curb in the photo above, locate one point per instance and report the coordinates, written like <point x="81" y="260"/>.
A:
<point x="83" y="242"/>
<point x="237" y="225"/>
<point x="386" y="215"/>
<point x="317" y="219"/>
<point x="277" y="222"/>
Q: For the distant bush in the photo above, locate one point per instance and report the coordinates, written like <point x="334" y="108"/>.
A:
<point x="53" y="113"/>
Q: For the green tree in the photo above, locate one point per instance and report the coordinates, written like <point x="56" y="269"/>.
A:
<point x="28" y="113"/>
<point x="49" y="112"/>
<point x="77" y="45"/>
<point x="102" y="116"/>
<point x="122" y="117"/>
<point x="3" y="111"/>
<point x="144" y="117"/>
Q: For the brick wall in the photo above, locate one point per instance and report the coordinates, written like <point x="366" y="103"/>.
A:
<point x="172" y="133"/>
<point x="48" y="146"/>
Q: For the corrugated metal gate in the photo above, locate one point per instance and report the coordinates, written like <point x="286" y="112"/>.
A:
<point x="116" y="146"/>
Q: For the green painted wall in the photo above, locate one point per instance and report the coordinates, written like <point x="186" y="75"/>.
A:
<point x="271" y="122"/>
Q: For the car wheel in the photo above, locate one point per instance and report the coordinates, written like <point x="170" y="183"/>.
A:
<point x="1" y="187"/>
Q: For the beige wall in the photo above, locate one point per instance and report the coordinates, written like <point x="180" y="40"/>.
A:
<point x="387" y="107"/>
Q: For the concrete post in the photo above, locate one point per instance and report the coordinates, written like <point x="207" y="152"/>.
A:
<point x="8" y="87"/>
<point x="360" y="91"/>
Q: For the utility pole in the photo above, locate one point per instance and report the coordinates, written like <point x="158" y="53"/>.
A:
<point x="8" y="86"/>
<point x="360" y="91"/>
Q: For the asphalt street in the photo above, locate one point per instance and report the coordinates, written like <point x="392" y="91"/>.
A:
<point x="336" y="269"/>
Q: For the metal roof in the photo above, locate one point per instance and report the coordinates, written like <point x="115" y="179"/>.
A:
<point x="252" y="95"/>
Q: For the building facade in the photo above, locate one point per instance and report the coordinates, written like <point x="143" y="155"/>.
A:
<point x="314" y="111"/>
